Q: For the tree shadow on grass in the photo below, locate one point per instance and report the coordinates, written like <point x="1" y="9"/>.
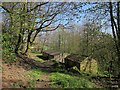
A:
<point x="42" y="57"/>
<point x="48" y="66"/>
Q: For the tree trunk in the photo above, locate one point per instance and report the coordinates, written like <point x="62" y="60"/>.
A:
<point x="115" y="35"/>
<point x="118" y="22"/>
<point x="20" y="37"/>
<point x="28" y="42"/>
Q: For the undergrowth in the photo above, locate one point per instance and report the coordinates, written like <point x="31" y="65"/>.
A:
<point x="36" y="56"/>
<point x="34" y="73"/>
<point x="60" y="80"/>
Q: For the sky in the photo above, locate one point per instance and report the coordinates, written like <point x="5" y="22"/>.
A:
<point x="76" y="21"/>
<point x="83" y="20"/>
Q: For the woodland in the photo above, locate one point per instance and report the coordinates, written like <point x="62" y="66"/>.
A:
<point x="76" y="29"/>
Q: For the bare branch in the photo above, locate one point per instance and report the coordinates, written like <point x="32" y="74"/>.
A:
<point x="5" y="9"/>
<point x="50" y="29"/>
<point x="55" y="14"/>
<point x="37" y="6"/>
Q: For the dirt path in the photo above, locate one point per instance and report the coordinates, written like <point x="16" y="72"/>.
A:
<point x="12" y="74"/>
<point x="43" y="82"/>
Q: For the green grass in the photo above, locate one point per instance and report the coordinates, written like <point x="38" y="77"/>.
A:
<point x="35" y="52"/>
<point x="39" y="59"/>
<point x="60" y="80"/>
<point x="35" y="56"/>
<point x="35" y="73"/>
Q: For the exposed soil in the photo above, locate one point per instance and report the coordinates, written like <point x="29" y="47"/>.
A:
<point x="12" y="74"/>
<point x="43" y="82"/>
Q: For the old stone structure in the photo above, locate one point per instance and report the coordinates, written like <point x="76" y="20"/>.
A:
<point x="54" y="55"/>
<point x="51" y="54"/>
<point x="83" y="63"/>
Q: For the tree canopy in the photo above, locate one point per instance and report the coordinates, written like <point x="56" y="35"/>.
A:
<point x="24" y="21"/>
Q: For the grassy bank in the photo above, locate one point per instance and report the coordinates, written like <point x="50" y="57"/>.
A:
<point x="60" y="80"/>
